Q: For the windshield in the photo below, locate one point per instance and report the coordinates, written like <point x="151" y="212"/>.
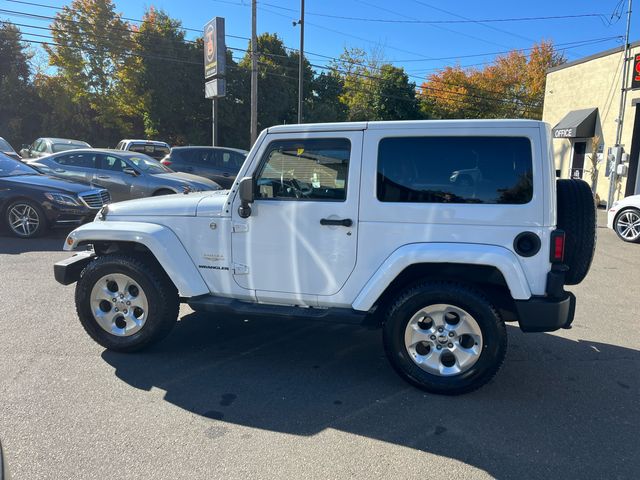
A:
<point x="10" y="167"/>
<point x="148" y="165"/>
<point x="154" y="151"/>
<point x="4" y="146"/>
<point x="61" y="147"/>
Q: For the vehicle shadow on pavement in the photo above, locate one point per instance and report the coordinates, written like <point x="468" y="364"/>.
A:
<point x="51" y="242"/>
<point x="558" y="408"/>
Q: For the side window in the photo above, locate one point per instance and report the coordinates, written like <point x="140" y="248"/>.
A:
<point x="111" y="163"/>
<point x="40" y="146"/>
<point x="231" y="161"/>
<point x="310" y="169"/>
<point x="119" y="146"/>
<point x="213" y="158"/>
<point x="82" y="160"/>
<point x="455" y="170"/>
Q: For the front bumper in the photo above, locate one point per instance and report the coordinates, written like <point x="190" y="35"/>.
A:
<point x="544" y="314"/>
<point x="68" y="271"/>
<point x="60" y="215"/>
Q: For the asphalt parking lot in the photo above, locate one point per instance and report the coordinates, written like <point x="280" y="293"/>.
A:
<point x="228" y="398"/>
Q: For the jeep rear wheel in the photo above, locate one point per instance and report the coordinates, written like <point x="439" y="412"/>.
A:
<point x="126" y="303"/>
<point x="444" y="338"/>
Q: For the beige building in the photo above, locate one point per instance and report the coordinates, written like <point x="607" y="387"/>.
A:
<point x="581" y="103"/>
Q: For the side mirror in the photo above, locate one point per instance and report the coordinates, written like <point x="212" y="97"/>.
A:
<point x="130" y="171"/>
<point x="245" y="190"/>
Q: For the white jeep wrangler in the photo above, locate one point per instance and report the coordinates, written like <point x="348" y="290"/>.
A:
<point x="356" y="222"/>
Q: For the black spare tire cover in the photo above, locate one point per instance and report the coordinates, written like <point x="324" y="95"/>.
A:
<point x="576" y="215"/>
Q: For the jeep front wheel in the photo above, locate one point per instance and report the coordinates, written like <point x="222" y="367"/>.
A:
<point x="444" y="338"/>
<point x="126" y="303"/>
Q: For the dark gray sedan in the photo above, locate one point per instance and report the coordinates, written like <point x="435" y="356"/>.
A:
<point x="220" y="164"/>
<point x="127" y="175"/>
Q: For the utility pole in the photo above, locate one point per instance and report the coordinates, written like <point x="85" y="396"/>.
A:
<point x="254" y="75"/>
<point x="301" y="63"/>
<point x="613" y="176"/>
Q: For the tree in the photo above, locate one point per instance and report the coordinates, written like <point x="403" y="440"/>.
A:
<point x="163" y="82"/>
<point x="511" y="87"/>
<point x="277" y="81"/>
<point x="358" y="71"/>
<point x="373" y="90"/>
<point x="90" y="42"/>
<point x="324" y="100"/>
<point x="394" y="97"/>
<point x="17" y="96"/>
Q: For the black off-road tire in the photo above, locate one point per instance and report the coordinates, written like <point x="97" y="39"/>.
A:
<point x="494" y="336"/>
<point x="160" y="291"/>
<point x="577" y="217"/>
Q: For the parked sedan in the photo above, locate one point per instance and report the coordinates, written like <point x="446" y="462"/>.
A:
<point x="30" y="201"/>
<point x="126" y="175"/>
<point x="47" y="146"/>
<point x="624" y="218"/>
<point x="216" y="163"/>
<point x="8" y="150"/>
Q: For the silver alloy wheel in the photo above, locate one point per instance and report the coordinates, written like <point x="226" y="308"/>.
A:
<point x="628" y="225"/>
<point x="119" y="304"/>
<point x="23" y="219"/>
<point x="443" y="340"/>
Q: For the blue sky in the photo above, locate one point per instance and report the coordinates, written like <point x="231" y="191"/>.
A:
<point x="420" y="48"/>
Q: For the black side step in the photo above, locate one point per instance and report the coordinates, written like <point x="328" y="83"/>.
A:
<point x="213" y="304"/>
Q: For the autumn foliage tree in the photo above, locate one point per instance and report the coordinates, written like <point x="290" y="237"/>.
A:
<point x="511" y="87"/>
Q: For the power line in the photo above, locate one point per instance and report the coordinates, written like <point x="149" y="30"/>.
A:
<point x="575" y="44"/>
<point x="431" y="22"/>
<point x="361" y="75"/>
<point x="43" y="17"/>
<point x="199" y="64"/>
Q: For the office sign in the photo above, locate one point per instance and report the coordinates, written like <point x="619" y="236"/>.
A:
<point x="214" y="48"/>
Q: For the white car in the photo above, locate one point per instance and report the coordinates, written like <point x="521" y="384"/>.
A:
<point x="153" y="148"/>
<point x="624" y="218"/>
<point x="358" y="223"/>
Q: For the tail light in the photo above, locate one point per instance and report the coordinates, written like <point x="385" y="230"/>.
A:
<point x="556" y="254"/>
<point x="166" y="162"/>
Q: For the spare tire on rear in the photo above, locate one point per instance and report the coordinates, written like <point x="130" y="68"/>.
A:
<point x="577" y="217"/>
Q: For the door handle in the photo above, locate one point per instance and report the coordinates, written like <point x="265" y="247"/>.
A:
<point x="345" y="222"/>
<point x="189" y="169"/>
<point x="225" y="174"/>
<point x="59" y="170"/>
<point x="103" y="176"/>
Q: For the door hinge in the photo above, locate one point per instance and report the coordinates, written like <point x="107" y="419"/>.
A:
<point x="239" y="269"/>
<point x="240" y="228"/>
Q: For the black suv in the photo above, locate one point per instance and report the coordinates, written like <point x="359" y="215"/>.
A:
<point x="219" y="164"/>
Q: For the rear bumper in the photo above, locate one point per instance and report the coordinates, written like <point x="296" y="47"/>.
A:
<point x="544" y="314"/>
<point x="68" y="271"/>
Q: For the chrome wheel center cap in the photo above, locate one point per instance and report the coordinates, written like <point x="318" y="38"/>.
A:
<point x="443" y="339"/>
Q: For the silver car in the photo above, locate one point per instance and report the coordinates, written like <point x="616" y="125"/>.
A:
<point x="126" y="175"/>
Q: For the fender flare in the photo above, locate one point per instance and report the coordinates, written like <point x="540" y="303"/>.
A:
<point x="161" y="241"/>
<point x="461" y="253"/>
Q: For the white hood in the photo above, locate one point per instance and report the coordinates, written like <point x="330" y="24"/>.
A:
<point x="185" y="205"/>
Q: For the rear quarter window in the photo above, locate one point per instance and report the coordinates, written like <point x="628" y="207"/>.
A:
<point x="481" y="170"/>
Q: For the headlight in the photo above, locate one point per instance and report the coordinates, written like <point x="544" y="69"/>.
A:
<point x="63" y="199"/>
